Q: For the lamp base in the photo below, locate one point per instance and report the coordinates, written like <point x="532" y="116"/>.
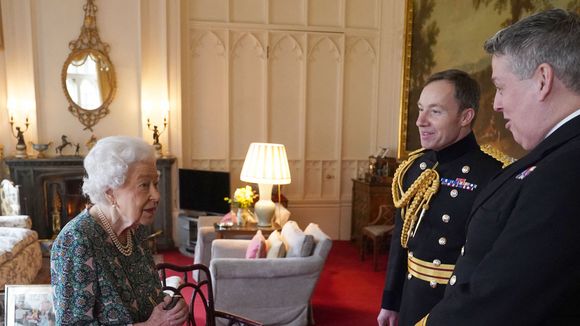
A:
<point x="264" y="210"/>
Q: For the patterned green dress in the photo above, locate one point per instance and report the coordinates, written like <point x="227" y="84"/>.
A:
<point x="94" y="284"/>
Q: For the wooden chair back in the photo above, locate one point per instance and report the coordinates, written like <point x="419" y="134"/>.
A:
<point x="202" y="293"/>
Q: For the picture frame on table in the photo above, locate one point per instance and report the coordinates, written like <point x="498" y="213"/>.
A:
<point x="449" y="34"/>
<point x="29" y="305"/>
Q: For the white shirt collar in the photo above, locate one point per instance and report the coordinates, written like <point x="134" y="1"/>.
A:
<point x="561" y="123"/>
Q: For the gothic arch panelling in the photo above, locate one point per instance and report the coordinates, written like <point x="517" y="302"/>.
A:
<point x="208" y="96"/>
<point x="286" y="91"/>
<point x="360" y="99"/>
<point x="247" y="92"/>
<point x="323" y="98"/>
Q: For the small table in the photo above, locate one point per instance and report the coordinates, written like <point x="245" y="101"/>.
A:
<point x="223" y="232"/>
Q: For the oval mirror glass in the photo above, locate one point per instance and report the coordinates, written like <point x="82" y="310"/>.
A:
<point x="88" y="76"/>
<point x="89" y="79"/>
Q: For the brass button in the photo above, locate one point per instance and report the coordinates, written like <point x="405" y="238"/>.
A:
<point x="454" y="193"/>
<point x="452" y="280"/>
<point x="433" y="284"/>
<point x="445" y="218"/>
<point x="423" y="166"/>
<point x="436" y="262"/>
<point x="409" y="276"/>
<point x="442" y="241"/>
<point x="465" y="169"/>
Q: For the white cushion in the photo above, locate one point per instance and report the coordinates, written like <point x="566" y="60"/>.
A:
<point x="276" y="246"/>
<point x="294" y="238"/>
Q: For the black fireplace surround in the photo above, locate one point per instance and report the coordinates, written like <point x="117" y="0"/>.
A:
<point x="50" y="194"/>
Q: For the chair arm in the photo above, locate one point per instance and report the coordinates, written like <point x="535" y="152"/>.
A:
<point x="228" y="248"/>
<point x="15" y="221"/>
<point x="235" y="268"/>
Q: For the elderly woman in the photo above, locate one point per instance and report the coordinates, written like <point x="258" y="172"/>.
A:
<point x="101" y="271"/>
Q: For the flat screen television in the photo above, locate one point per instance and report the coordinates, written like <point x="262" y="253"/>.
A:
<point x="202" y="192"/>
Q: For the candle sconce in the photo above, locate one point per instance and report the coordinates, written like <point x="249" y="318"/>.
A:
<point x="18" y="133"/>
<point x="156" y="134"/>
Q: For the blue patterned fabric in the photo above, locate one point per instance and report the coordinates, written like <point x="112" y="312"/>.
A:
<point x="94" y="284"/>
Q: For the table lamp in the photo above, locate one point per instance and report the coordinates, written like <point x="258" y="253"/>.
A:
<point x="265" y="164"/>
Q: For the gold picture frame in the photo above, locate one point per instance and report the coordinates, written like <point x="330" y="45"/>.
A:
<point x="446" y="34"/>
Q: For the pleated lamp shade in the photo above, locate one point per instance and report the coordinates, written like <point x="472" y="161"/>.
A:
<point x="266" y="163"/>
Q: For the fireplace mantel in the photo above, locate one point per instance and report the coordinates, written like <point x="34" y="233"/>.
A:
<point x="34" y="175"/>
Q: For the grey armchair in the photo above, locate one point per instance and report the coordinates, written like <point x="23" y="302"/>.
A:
<point x="274" y="291"/>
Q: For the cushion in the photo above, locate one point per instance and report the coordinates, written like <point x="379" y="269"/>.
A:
<point x="281" y="215"/>
<point x="276" y="246"/>
<point x="228" y="218"/>
<point x="297" y="243"/>
<point x="315" y="231"/>
<point x="307" y="246"/>
<point x="257" y="246"/>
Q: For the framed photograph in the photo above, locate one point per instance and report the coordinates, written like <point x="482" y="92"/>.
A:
<point x="2" y="309"/>
<point x="446" y="34"/>
<point x="29" y="305"/>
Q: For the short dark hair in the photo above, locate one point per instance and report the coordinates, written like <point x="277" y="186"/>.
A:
<point x="551" y="36"/>
<point x="467" y="91"/>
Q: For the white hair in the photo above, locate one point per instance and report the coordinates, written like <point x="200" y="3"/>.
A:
<point x="107" y="163"/>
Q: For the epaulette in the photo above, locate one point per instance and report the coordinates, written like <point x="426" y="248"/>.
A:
<point x="410" y="159"/>
<point x="500" y="156"/>
<point x="417" y="151"/>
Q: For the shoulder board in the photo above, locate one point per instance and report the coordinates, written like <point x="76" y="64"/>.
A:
<point x="417" y="151"/>
<point x="500" y="156"/>
<point x="413" y="156"/>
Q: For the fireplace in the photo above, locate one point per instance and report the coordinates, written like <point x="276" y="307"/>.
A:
<point x="50" y="193"/>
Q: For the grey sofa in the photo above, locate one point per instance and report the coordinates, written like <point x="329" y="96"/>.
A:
<point x="274" y="291"/>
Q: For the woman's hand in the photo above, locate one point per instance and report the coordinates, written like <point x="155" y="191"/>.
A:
<point x="173" y="317"/>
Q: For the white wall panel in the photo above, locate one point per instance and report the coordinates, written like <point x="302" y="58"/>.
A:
<point x="286" y="100"/>
<point x="247" y="67"/>
<point x="313" y="179"/>
<point x="208" y="96"/>
<point x="248" y="11"/>
<point x="287" y="12"/>
<point x="323" y="96"/>
<point x="359" y="98"/>
<point x="208" y="10"/>
<point x="325" y="13"/>
<point x="362" y="13"/>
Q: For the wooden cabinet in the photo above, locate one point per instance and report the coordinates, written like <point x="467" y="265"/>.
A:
<point x="366" y="199"/>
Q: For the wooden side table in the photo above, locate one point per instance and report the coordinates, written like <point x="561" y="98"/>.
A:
<point x="224" y="232"/>
<point x="366" y="200"/>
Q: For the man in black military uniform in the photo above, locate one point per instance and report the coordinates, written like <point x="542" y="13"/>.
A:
<point x="434" y="190"/>
<point x="520" y="264"/>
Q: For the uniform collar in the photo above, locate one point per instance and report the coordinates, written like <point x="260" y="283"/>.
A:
<point x="457" y="149"/>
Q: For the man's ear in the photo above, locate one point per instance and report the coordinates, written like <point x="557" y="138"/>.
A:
<point x="544" y="77"/>
<point x="467" y="116"/>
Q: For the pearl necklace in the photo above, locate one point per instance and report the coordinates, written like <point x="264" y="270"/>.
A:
<point x="127" y="249"/>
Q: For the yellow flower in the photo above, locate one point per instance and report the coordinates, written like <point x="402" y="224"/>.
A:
<point x="243" y="197"/>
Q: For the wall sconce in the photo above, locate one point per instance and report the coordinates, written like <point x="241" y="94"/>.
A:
<point x="18" y="133"/>
<point x="156" y="134"/>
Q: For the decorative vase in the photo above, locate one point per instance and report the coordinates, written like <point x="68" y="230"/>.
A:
<point x="244" y="216"/>
<point x="241" y="216"/>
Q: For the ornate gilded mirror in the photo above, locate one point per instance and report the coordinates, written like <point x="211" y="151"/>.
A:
<point x="88" y="76"/>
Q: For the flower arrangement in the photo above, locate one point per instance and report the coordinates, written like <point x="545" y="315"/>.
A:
<point x="243" y="197"/>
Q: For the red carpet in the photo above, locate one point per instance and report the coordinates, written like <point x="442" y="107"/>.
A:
<point x="348" y="291"/>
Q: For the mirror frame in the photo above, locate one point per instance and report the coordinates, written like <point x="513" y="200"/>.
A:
<point x="89" y="41"/>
